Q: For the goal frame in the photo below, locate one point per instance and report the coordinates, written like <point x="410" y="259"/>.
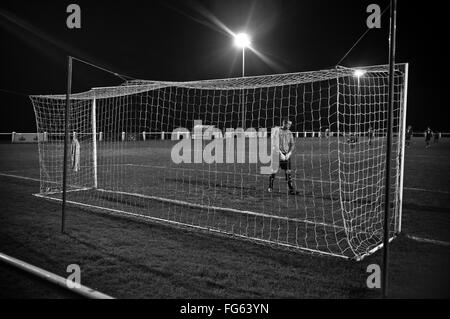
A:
<point x="93" y="117"/>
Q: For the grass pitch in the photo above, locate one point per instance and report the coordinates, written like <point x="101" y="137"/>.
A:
<point x="135" y="259"/>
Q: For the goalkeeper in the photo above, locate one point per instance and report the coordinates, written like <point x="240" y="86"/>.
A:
<point x="287" y="146"/>
<point x="75" y="153"/>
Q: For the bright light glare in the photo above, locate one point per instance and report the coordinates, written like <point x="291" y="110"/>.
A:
<point x="242" y="40"/>
<point x="359" y="73"/>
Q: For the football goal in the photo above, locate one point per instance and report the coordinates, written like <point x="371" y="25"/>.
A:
<point x="124" y="140"/>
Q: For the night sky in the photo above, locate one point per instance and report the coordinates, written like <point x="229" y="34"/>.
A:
<point x="176" y="41"/>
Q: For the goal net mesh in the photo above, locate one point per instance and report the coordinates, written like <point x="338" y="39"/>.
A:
<point x="339" y="122"/>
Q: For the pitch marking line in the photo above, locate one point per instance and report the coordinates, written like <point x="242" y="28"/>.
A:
<point x="426" y="190"/>
<point x="20" y="177"/>
<point x="307" y="180"/>
<point x="279" y="177"/>
<point x="429" y="241"/>
<point x="78" y="189"/>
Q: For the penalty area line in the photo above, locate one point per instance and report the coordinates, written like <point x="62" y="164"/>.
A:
<point x="20" y="177"/>
<point x="278" y="177"/>
<point x="429" y="241"/>
<point x="160" y="167"/>
<point x="425" y="190"/>
<point x="77" y="189"/>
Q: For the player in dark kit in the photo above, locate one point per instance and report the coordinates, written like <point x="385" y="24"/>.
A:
<point x="436" y="137"/>
<point x="352" y="140"/>
<point x="371" y="135"/>
<point x="428" y="136"/>
<point x="408" y="135"/>
<point x="287" y="146"/>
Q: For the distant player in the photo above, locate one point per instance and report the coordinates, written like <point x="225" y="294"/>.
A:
<point x="352" y="140"/>
<point x="327" y="133"/>
<point x="428" y="136"/>
<point x="287" y="146"/>
<point x="408" y="135"/>
<point x="371" y="135"/>
<point x="75" y="153"/>
<point x="437" y="135"/>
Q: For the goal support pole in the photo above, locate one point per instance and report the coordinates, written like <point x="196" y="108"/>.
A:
<point x="387" y="188"/>
<point x="66" y="143"/>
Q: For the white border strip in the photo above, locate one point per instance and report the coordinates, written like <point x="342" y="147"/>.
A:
<point x="52" y="278"/>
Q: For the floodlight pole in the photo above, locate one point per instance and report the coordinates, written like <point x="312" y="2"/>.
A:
<point x="243" y="76"/>
<point x="392" y="43"/>
<point x="243" y="62"/>
<point x="66" y="142"/>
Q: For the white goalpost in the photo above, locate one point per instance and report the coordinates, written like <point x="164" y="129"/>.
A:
<point x="94" y="142"/>
<point x="339" y="122"/>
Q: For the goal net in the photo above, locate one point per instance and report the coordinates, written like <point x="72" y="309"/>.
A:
<point x="153" y="150"/>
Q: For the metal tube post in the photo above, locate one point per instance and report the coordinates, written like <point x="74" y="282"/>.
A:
<point x="66" y="142"/>
<point x="392" y="39"/>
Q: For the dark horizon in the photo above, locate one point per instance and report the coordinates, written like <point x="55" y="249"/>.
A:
<point x="172" y="41"/>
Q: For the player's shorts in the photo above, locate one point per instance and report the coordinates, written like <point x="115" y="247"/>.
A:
<point x="285" y="165"/>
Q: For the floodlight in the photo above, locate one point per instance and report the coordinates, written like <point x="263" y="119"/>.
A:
<point x="242" y="40"/>
<point x="359" y="73"/>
